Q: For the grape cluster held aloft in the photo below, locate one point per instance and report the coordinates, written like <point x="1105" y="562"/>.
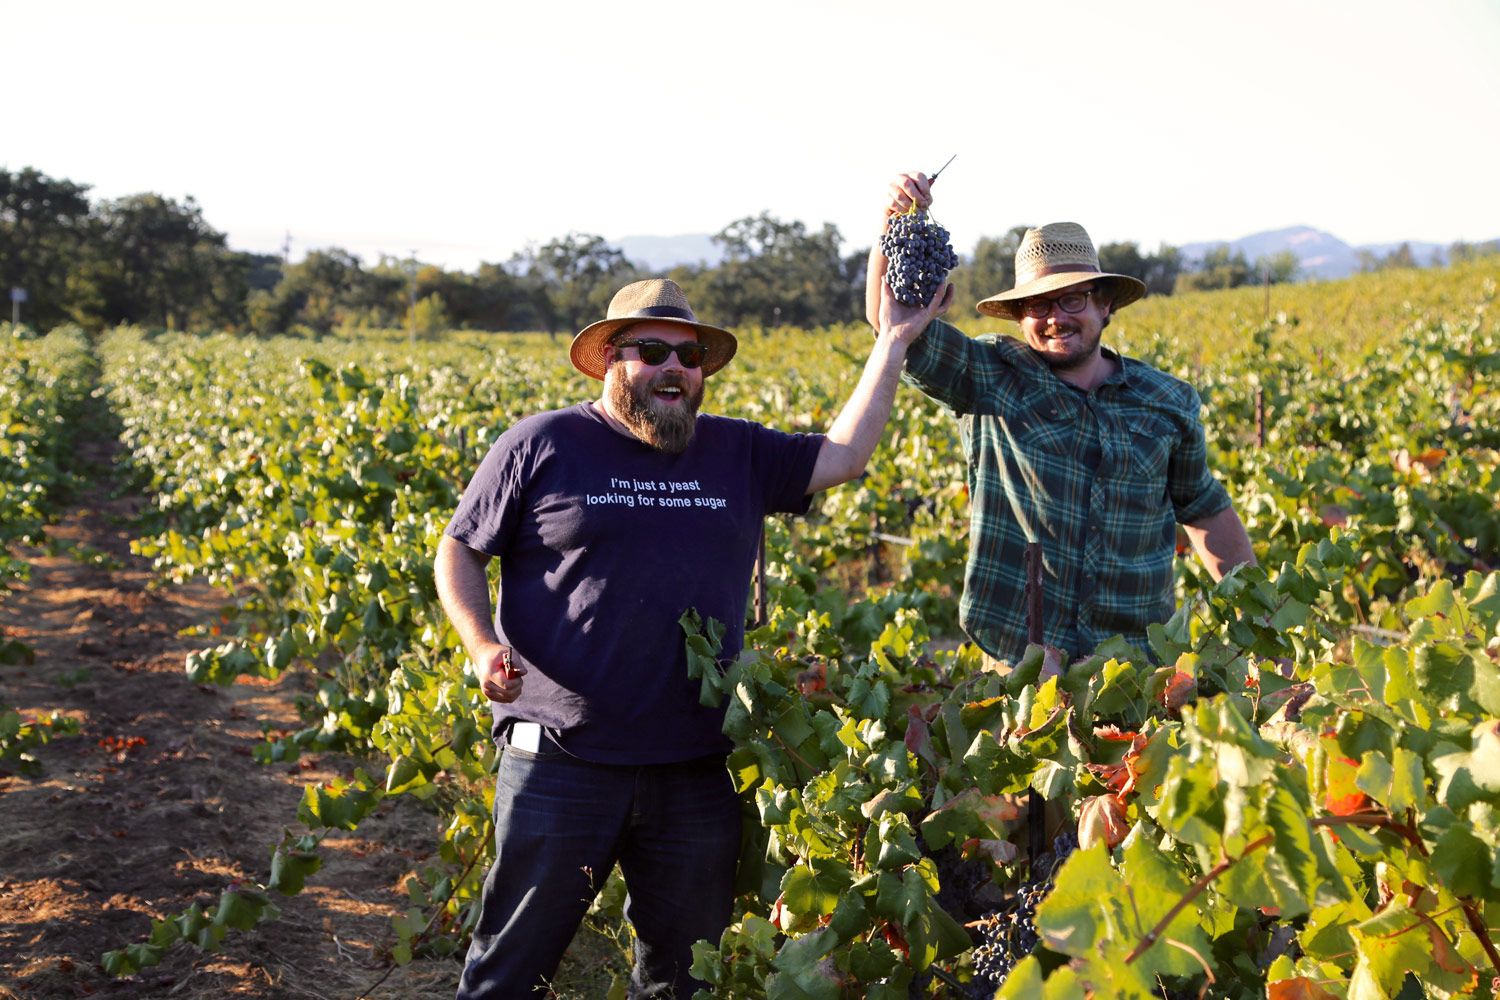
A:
<point x="920" y="257"/>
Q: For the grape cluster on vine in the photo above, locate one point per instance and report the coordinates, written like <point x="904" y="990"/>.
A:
<point x="920" y="257"/>
<point x="1009" y="934"/>
<point x="1063" y="845"/>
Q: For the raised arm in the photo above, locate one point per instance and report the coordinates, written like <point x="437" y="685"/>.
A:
<point x="905" y="191"/>
<point x="856" y="430"/>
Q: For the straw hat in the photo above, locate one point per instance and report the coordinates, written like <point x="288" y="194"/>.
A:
<point x="658" y="300"/>
<point x="1055" y="256"/>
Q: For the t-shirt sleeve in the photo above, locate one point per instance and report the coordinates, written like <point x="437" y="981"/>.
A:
<point x="784" y="465"/>
<point x="490" y="508"/>
<point x="1195" y="492"/>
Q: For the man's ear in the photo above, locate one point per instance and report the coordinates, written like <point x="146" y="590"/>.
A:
<point x="609" y="355"/>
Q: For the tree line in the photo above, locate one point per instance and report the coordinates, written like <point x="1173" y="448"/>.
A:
<point x="154" y="261"/>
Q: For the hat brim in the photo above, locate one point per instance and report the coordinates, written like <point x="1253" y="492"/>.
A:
<point x="587" y="350"/>
<point x="1005" y="305"/>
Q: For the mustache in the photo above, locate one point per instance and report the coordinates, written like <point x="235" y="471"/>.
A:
<point x="668" y="380"/>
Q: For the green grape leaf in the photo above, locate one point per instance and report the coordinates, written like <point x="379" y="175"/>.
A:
<point x="340" y="805"/>
<point x="1024" y="981"/>
<point x="1465" y="863"/>
<point x="1069" y="920"/>
<point x="970" y="814"/>
<point x="1299" y="850"/>
<point x="814" y="887"/>
<point x="289" y="870"/>
<point x="1473" y="776"/>
<point x="242" y="909"/>
<point x="996" y="768"/>
<point x="1154" y="884"/>
<point x="1192" y="802"/>
<point x="891" y="844"/>
<point x="1328" y="933"/>
<point x="1389" y="945"/>
<point x="1398" y="784"/>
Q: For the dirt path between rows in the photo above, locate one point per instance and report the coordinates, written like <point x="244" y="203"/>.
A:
<point x="157" y="803"/>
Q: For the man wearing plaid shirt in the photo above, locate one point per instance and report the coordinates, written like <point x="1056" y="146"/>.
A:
<point x="1097" y="456"/>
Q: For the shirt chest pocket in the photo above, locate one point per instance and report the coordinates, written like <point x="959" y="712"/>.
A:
<point x="1149" y="443"/>
<point x="1047" y="426"/>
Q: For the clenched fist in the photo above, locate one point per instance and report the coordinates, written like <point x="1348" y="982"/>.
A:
<point x="499" y="678"/>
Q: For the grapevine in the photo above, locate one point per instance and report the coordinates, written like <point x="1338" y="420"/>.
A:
<point x="1347" y="687"/>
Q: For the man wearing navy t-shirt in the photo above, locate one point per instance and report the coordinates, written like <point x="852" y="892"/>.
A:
<point x="610" y="519"/>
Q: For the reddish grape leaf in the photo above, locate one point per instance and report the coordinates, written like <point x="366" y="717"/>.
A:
<point x="1102" y="820"/>
<point x="1343" y="797"/>
<point x="1298" y="988"/>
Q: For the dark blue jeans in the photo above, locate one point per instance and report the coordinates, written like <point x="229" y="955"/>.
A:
<point x="561" y="824"/>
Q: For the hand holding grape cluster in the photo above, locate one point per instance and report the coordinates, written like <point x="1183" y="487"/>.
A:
<point x="917" y="248"/>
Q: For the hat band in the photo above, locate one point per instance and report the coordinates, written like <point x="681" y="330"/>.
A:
<point x="658" y="311"/>
<point x="1043" y="272"/>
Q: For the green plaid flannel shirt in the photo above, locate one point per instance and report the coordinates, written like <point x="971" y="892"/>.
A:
<point x="1100" y="478"/>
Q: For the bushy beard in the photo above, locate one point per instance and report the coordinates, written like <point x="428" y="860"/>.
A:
<point x="664" y="427"/>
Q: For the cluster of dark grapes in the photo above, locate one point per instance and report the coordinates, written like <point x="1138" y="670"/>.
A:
<point x="920" y="257"/>
<point x="1009" y="934"/>
<point x="1063" y="845"/>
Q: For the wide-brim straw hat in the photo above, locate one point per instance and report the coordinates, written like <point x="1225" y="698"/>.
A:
<point x="658" y="300"/>
<point x="1055" y="256"/>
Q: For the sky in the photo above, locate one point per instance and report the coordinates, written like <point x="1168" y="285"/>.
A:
<point x="462" y="132"/>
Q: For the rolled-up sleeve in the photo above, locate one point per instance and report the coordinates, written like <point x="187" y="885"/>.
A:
<point x="1194" y="491"/>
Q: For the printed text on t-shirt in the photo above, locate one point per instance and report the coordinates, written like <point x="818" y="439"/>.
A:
<point x="655" y="493"/>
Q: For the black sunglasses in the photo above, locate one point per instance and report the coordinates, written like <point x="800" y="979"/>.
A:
<point x="655" y="352"/>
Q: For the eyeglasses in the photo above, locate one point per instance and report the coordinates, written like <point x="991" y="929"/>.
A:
<point x="655" y="352"/>
<point x="1073" y="302"/>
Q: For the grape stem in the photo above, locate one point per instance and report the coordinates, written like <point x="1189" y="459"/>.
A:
<point x="940" y="973"/>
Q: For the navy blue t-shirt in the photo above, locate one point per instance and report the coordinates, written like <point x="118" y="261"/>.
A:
<point x="603" y="543"/>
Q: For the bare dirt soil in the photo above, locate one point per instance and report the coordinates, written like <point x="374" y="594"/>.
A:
<point x="157" y="803"/>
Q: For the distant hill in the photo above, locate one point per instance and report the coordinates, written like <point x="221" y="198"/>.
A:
<point x="1322" y="255"/>
<point x="662" y="253"/>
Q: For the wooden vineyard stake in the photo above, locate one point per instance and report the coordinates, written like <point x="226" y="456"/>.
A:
<point x="1036" y="805"/>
